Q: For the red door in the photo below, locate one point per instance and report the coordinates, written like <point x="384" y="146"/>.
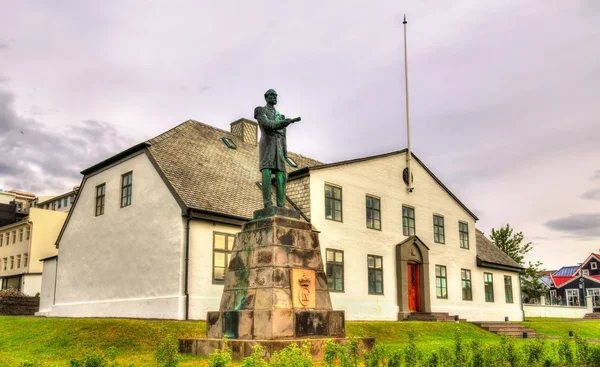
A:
<point x="414" y="287"/>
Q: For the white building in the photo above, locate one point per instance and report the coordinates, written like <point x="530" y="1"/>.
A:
<point x="150" y="231"/>
<point x="61" y="203"/>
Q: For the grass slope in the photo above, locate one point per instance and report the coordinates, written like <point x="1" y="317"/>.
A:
<point x="561" y="327"/>
<point x="55" y="341"/>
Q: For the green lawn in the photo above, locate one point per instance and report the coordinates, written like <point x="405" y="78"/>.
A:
<point x="556" y="327"/>
<point x="55" y="341"/>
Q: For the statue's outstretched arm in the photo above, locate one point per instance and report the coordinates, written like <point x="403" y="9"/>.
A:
<point x="264" y="120"/>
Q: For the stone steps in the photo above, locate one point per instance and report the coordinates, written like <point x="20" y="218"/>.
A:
<point x="513" y="330"/>
<point x="592" y="316"/>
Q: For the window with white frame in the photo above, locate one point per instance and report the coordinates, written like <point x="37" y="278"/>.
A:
<point x="1" y="239"/>
<point x="572" y="297"/>
<point x="28" y="233"/>
<point x="595" y="294"/>
<point x="4" y="262"/>
<point x="12" y="262"/>
<point x="21" y="235"/>
<point x="25" y="260"/>
<point x="14" y="236"/>
<point x="594" y="265"/>
<point x="18" y="261"/>
<point x="585" y="272"/>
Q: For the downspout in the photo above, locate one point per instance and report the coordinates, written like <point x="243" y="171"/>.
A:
<point x="187" y="262"/>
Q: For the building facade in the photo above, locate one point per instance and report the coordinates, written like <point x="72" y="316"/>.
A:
<point x="61" y="203"/>
<point x="152" y="228"/>
<point x="23" y="244"/>
<point x="570" y="285"/>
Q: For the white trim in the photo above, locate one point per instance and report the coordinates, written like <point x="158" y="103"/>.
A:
<point x="594" y="265"/>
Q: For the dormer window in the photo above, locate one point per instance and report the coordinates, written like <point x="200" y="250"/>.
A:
<point x="291" y="162"/>
<point x="229" y="143"/>
<point x="594" y="265"/>
<point x="585" y="272"/>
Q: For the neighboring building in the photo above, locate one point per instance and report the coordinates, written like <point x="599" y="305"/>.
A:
<point x="151" y="231"/>
<point x="571" y="284"/>
<point x="23" y="200"/>
<point x="23" y="244"/>
<point x="61" y="203"/>
<point x="7" y="197"/>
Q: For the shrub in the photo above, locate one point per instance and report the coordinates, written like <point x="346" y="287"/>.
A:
<point x="376" y="358"/>
<point x="460" y="352"/>
<point x="412" y="355"/>
<point x="446" y="358"/>
<point x="255" y="359"/>
<point x="395" y="358"/>
<point x="330" y="353"/>
<point x="29" y="364"/>
<point x="565" y="352"/>
<point x="220" y="357"/>
<point x="292" y="356"/>
<point x="535" y="353"/>
<point x="12" y="292"/>
<point x="594" y="356"/>
<point x="433" y="360"/>
<point x="478" y="356"/>
<point x="90" y="360"/>
<point x="583" y="350"/>
<point x="167" y="351"/>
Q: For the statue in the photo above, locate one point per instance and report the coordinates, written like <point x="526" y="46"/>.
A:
<point x="272" y="148"/>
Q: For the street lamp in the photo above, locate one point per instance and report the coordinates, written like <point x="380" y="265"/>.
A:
<point x="582" y="287"/>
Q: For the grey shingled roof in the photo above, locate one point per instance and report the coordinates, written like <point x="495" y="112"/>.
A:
<point x="490" y="253"/>
<point x="209" y="176"/>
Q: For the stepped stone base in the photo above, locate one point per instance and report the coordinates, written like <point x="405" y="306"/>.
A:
<point x="514" y="330"/>
<point x="241" y="349"/>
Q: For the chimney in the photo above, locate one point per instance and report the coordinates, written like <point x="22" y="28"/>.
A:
<point x="246" y="130"/>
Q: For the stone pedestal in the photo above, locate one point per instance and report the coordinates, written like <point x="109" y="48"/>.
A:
<point x="275" y="289"/>
<point x="276" y="285"/>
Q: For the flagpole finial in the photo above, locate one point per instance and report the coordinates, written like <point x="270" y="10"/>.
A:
<point x="404" y="19"/>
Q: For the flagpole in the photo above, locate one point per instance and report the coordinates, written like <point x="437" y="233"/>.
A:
<point x="409" y="187"/>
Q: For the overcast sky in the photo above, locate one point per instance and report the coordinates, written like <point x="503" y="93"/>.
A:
<point x="505" y="98"/>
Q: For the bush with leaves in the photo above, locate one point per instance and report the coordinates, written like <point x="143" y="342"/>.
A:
<point x="220" y="357"/>
<point x="292" y="356"/>
<point x="256" y="358"/>
<point x="166" y="353"/>
<point x="90" y="360"/>
<point x="377" y="357"/>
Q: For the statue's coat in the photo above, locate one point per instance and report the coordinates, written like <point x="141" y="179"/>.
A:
<point x="272" y="148"/>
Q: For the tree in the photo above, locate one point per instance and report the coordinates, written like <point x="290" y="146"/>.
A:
<point x="511" y="244"/>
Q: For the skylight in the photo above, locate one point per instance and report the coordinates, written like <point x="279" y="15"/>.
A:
<point x="229" y="143"/>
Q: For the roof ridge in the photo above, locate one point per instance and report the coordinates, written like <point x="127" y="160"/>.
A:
<point x="170" y="132"/>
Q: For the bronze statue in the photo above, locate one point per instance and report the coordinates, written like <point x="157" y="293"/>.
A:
<point x="272" y="148"/>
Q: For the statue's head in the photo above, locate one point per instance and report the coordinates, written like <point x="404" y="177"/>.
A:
<point x="271" y="97"/>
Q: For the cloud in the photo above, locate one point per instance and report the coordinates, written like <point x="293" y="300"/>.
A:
<point x="581" y="225"/>
<point x="3" y="46"/>
<point x="42" y="160"/>
<point x="596" y="175"/>
<point x="591" y="195"/>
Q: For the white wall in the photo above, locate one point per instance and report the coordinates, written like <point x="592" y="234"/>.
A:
<point x="204" y="295"/>
<point x="32" y="284"/>
<point x="126" y="262"/>
<point x="47" y="286"/>
<point x="383" y="178"/>
<point x="554" y="311"/>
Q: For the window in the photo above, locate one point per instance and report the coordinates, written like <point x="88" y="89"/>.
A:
<point x="126" y="185"/>
<point x="100" y="192"/>
<point x="572" y="297"/>
<point x="21" y="235"/>
<point x="585" y="272"/>
<point x="333" y="202"/>
<point x="54" y="205"/>
<point x="25" y="258"/>
<point x="229" y="143"/>
<point x="222" y="246"/>
<point x="408" y="221"/>
<point x="467" y="292"/>
<point x="1" y="239"/>
<point x="59" y="202"/>
<point x="14" y="236"/>
<point x="19" y="206"/>
<point x="488" y="281"/>
<point x="65" y="202"/>
<point x="438" y="229"/>
<point x="508" y="289"/>
<point x="441" y="285"/>
<point x="12" y="262"/>
<point x="335" y="270"/>
<point x="594" y="265"/>
<point x="375" y="266"/>
<point x="595" y="294"/>
<point x="463" y="230"/>
<point x="4" y="261"/>
<point x="373" y="213"/>
<point x="7" y="238"/>
<point x="18" y="261"/>
<point x="27" y="233"/>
